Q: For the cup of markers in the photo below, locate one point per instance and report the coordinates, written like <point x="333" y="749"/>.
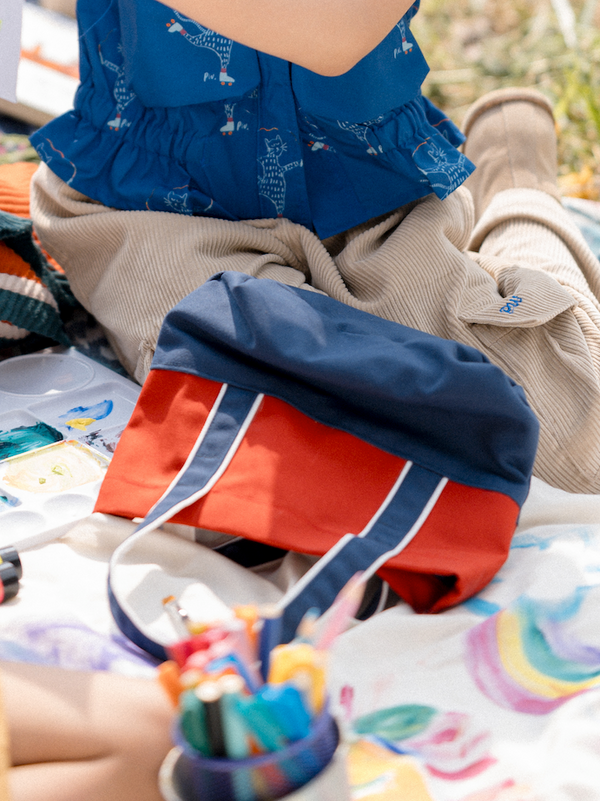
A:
<point x="253" y="722"/>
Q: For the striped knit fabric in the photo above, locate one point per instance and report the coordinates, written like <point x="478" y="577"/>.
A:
<point x="31" y="289"/>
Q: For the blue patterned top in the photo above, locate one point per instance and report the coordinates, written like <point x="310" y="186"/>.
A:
<point x="170" y="116"/>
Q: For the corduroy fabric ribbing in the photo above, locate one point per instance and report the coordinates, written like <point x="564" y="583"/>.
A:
<point x="523" y="299"/>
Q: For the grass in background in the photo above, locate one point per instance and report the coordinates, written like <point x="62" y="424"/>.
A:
<point x="473" y="46"/>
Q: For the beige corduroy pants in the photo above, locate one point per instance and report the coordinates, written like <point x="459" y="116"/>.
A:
<point x="528" y="298"/>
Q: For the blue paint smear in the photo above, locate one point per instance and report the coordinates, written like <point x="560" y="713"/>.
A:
<point x="97" y="411"/>
<point x="26" y="438"/>
<point x="544" y="538"/>
<point x="479" y="606"/>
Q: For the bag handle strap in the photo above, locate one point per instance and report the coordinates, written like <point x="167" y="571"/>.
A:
<point x="215" y="447"/>
<point x="390" y="530"/>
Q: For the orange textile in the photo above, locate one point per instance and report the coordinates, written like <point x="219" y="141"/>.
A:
<point x="298" y="484"/>
<point x="33" y="287"/>
<point x="14" y="187"/>
<point x="14" y="193"/>
<point x="12" y="264"/>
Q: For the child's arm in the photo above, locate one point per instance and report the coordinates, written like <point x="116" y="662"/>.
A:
<point x="325" y="36"/>
<point x="83" y="736"/>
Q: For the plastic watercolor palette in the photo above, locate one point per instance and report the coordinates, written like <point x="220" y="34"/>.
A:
<point x="61" y="416"/>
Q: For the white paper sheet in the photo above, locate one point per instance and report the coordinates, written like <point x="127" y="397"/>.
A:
<point x="11" y="13"/>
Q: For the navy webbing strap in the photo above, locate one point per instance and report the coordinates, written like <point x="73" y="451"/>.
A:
<point x="213" y="450"/>
<point x="389" y="531"/>
<point x="398" y="520"/>
<point x="218" y="441"/>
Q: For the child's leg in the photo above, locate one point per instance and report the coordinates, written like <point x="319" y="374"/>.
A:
<point x="411" y="267"/>
<point x="511" y="137"/>
<point x="129" y="268"/>
<point x="528" y="300"/>
<point x="83" y="736"/>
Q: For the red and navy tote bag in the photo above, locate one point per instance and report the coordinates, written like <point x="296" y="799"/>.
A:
<point x="285" y="418"/>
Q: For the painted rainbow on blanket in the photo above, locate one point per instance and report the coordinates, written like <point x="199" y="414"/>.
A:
<point x="525" y="658"/>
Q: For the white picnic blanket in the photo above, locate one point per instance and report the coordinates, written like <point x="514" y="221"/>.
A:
<point x="496" y="700"/>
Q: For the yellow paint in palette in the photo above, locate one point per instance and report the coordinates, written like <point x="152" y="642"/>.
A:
<point x="54" y="468"/>
<point x="81" y="423"/>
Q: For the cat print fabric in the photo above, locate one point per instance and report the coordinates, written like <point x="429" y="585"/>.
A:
<point x="187" y="121"/>
<point x="272" y="184"/>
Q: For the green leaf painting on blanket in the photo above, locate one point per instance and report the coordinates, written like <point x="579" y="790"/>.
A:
<point x="451" y="746"/>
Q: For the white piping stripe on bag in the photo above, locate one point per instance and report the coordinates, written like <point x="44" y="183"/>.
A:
<point x="130" y="541"/>
<point x="410" y="534"/>
<point x="306" y="579"/>
<point x="200" y="439"/>
<point x="389" y="498"/>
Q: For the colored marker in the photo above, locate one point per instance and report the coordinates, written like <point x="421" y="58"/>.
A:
<point x="191" y="678"/>
<point x="182" y="650"/>
<point x="169" y="679"/>
<point x="290" y="661"/>
<point x="193" y="722"/>
<point x="10" y="555"/>
<point x="250" y="678"/>
<point x="236" y="736"/>
<point x="9" y="582"/>
<point x="248" y="613"/>
<point x="245" y="642"/>
<point x="234" y="731"/>
<point x="287" y="706"/>
<point x="210" y="694"/>
<point x="307" y="626"/>
<point x="269" y="635"/>
<point x="261" y="723"/>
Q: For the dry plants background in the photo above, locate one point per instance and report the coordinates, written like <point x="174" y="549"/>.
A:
<point x="473" y="46"/>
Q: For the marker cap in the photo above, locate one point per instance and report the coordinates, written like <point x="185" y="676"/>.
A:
<point x="10" y="581"/>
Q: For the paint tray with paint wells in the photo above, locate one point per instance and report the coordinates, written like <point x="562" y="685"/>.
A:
<point x="61" y="417"/>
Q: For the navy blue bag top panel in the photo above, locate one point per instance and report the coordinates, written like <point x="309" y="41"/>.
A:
<point x="436" y="402"/>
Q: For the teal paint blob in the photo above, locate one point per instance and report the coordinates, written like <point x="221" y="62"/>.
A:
<point x="6" y="499"/>
<point x="25" y="438"/>
<point x="396" y="723"/>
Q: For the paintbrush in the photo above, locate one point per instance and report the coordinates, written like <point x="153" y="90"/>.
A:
<point x="342" y="610"/>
